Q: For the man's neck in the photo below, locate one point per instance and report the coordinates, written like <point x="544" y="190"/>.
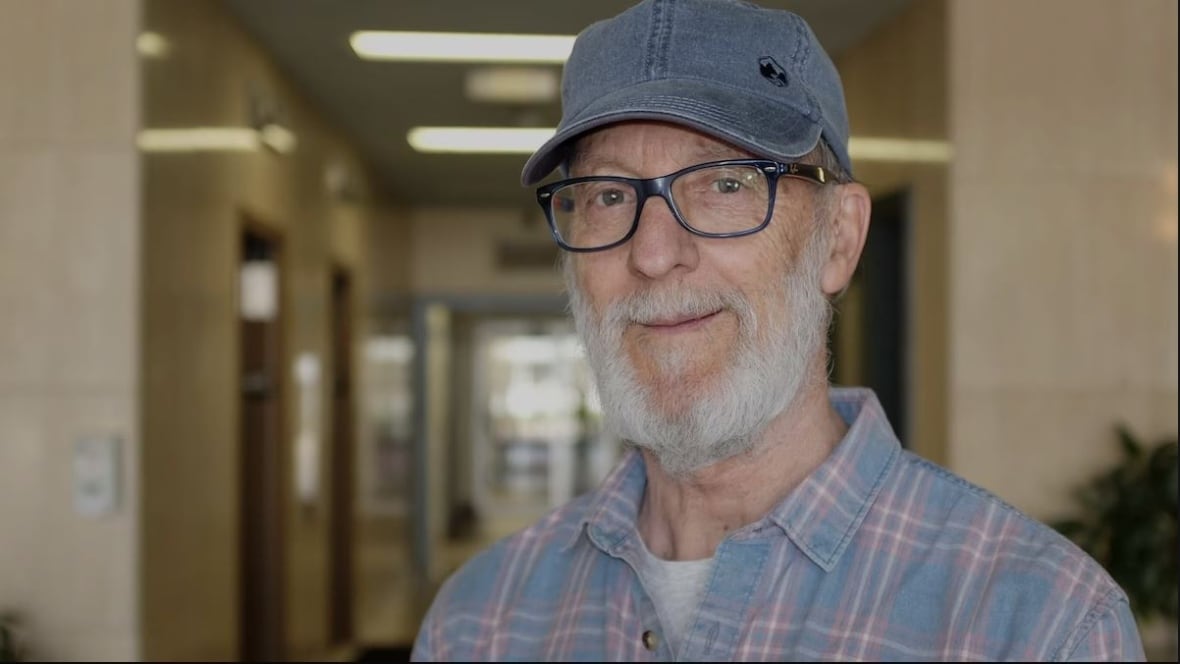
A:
<point x="685" y="519"/>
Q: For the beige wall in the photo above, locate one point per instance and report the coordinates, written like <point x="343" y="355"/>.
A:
<point x="193" y="211"/>
<point x="69" y="306"/>
<point x="453" y="251"/>
<point x="895" y="87"/>
<point x="1062" y="240"/>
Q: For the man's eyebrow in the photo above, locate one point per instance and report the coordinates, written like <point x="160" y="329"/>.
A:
<point x="588" y="162"/>
<point x="720" y="151"/>
<point x="578" y="159"/>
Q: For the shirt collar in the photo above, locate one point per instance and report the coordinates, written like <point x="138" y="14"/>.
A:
<point x="820" y="516"/>
<point x="823" y="513"/>
<point x="613" y="513"/>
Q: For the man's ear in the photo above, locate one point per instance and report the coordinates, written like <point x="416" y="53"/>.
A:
<point x="850" y="228"/>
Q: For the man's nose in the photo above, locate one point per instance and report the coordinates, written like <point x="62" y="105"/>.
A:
<point x="661" y="246"/>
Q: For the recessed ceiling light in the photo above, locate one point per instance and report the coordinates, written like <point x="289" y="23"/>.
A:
<point x="494" y="140"/>
<point x="512" y="85"/>
<point x="461" y="46"/>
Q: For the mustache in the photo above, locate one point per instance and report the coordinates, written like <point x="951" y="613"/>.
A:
<point x="647" y="306"/>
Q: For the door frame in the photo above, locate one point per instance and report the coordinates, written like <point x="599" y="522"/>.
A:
<point x="490" y="304"/>
<point x="342" y="501"/>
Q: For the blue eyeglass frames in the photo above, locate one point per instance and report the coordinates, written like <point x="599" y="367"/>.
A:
<point x="717" y="199"/>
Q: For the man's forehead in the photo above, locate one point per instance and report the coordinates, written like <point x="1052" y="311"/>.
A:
<point x="618" y="142"/>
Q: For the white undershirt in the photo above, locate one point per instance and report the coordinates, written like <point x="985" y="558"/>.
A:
<point x="676" y="588"/>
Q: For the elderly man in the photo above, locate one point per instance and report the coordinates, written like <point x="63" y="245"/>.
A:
<point x="709" y="218"/>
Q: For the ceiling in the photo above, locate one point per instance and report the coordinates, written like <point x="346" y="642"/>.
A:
<point x="375" y="103"/>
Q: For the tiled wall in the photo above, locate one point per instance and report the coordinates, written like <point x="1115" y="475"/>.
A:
<point x="1063" y="239"/>
<point x="194" y="206"/>
<point x="69" y="319"/>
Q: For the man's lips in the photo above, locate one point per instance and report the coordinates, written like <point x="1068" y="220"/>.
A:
<point x="679" y="322"/>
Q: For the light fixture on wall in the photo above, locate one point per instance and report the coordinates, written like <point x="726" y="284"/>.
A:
<point x="460" y="46"/>
<point x="268" y="115"/>
<point x="278" y="138"/>
<point x="152" y="45"/>
<point x="341" y="183"/>
<point x="266" y="127"/>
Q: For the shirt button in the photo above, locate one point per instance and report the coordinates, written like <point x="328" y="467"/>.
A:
<point x="650" y="640"/>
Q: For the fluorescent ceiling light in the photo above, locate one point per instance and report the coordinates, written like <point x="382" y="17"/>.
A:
<point x="512" y="84"/>
<point x="527" y="140"/>
<point x="461" y="46"/>
<point x="216" y="139"/>
<point x="899" y="149"/>
<point x="496" y="140"/>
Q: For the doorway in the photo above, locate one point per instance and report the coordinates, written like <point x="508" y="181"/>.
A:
<point x="870" y="344"/>
<point x="340" y="558"/>
<point x="262" y="486"/>
<point x="504" y="423"/>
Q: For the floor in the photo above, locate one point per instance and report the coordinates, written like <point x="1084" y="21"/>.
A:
<point x="387" y="617"/>
<point x="398" y="654"/>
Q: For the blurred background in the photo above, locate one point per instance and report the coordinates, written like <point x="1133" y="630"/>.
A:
<point x="273" y="363"/>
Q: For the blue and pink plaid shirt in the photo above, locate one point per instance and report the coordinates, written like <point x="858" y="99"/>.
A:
<point x="877" y="555"/>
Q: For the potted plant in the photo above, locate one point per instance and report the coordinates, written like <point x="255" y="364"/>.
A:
<point x="9" y="648"/>
<point x="1127" y="521"/>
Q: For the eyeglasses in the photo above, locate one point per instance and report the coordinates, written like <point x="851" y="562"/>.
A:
<point x="715" y="199"/>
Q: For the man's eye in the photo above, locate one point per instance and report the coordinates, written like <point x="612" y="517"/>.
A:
<point x="727" y="185"/>
<point x="610" y="197"/>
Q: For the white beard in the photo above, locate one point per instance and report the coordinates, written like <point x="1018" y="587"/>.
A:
<point x="725" y="419"/>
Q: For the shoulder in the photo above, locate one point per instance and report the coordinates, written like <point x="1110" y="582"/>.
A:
<point x="961" y="516"/>
<point x="523" y="553"/>
<point x="971" y="515"/>
<point x="1012" y="574"/>
<point x="530" y="563"/>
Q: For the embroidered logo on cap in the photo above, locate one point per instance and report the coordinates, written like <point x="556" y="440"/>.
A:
<point x="772" y="71"/>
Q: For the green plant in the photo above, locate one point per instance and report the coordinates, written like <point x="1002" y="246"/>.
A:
<point x="1128" y="523"/>
<point x="8" y="648"/>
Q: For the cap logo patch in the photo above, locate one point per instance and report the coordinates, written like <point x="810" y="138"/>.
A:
<point x="772" y="71"/>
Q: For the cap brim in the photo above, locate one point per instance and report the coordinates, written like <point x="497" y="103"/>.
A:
<point x="783" y="132"/>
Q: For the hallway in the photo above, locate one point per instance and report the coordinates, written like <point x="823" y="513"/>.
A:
<point x="270" y="370"/>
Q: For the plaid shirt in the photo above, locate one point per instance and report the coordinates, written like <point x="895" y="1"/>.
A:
<point x="877" y="555"/>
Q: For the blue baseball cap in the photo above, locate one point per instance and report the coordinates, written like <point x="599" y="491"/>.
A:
<point x="754" y="77"/>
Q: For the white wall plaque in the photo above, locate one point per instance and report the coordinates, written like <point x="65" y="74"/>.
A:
<point x="96" y="476"/>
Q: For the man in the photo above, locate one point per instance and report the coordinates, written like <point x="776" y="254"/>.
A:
<point x="709" y="218"/>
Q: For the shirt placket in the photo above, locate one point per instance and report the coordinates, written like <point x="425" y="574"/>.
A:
<point x="722" y="617"/>
<point x="643" y="635"/>
<point x="650" y="644"/>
